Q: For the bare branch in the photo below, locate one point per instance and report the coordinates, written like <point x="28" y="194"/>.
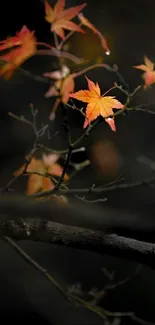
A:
<point x="109" y="188"/>
<point x="80" y="238"/>
<point x="101" y="312"/>
<point x="34" y="264"/>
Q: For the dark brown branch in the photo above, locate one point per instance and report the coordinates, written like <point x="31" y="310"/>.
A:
<point x="84" y="239"/>
<point x="98" y="242"/>
<point x="57" y="186"/>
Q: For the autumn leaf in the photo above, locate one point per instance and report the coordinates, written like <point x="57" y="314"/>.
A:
<point x="60" y="18"/>
<point x="97" y="104"/>
<point x="64" y="85"/>
<point x="149" y="72"/>
<point x="22" y="46"/>
<point x="47" y="165"/>
<point x="88" y="24"/>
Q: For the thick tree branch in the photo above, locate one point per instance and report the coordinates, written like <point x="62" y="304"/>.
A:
<point x="84" y="239"/>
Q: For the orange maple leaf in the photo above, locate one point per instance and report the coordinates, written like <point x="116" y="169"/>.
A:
<point x="97" y="104"/>
<point x="149" y="72"/>
<point x="47" y="165"/>
<point x="60" y="19"/>
<point x="88" y="24"/>
<point x="22" y="45"/>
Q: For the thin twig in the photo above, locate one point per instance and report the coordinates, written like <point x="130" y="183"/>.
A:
<point x="109" y="188"/>
<point x="102" y="293"/>
<point x="123" y="281"/>
<point x="92" y="67"/>
<point x="62" y="151"/>
<point x="95" y="309"/>
<point x="38" y="267"/>
<point x="56" y="42"/>
<point x="128" y="314"/>
<point x="102" y="313"/>
<point x="33" y="151"/>
<point x="33" y="76"/>
<point x="91" y="201"/>
<point x="58" y="185"/>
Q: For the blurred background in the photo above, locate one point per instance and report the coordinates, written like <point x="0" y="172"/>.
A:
<point x="129" y="154"/>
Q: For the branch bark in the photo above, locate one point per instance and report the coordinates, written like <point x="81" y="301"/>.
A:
<point x="83" y="239"/>
<point x="78" y="225"/>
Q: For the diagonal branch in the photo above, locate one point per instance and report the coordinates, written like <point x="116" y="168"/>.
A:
<point x="101" y="312"/>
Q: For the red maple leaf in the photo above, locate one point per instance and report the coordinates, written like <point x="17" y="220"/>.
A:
<point x="22" y="46"/>
<point x="149" y="72"/>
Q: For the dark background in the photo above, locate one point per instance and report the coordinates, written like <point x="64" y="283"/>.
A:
<point x="129" y="29"/>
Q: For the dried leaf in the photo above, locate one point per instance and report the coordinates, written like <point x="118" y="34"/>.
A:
<point x="22" y="45"/>
<point x="97" y="104"/>
<point x="60" y="19"/>
<point x="149" y="72"/>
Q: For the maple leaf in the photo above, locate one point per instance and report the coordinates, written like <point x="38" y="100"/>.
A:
<point x="88" y="24"/>
<point x="64" y="85"/>
<point x="149" y="72"/>
<point x="60" y="19"/>
<point x="22" y="46"/>
<point x="47" y="165"/>
<point x="97" y="104"/>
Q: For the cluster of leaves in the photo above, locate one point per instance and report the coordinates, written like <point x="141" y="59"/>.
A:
<point x="21" y="47"/>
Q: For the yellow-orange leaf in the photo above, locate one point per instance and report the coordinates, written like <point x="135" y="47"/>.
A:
<point x="22" y="45"/>
<point x="60" y="19"/>
<point x="97" y="104"/>
<point x="149" y="72"/>
<point x="88" y="24"/>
